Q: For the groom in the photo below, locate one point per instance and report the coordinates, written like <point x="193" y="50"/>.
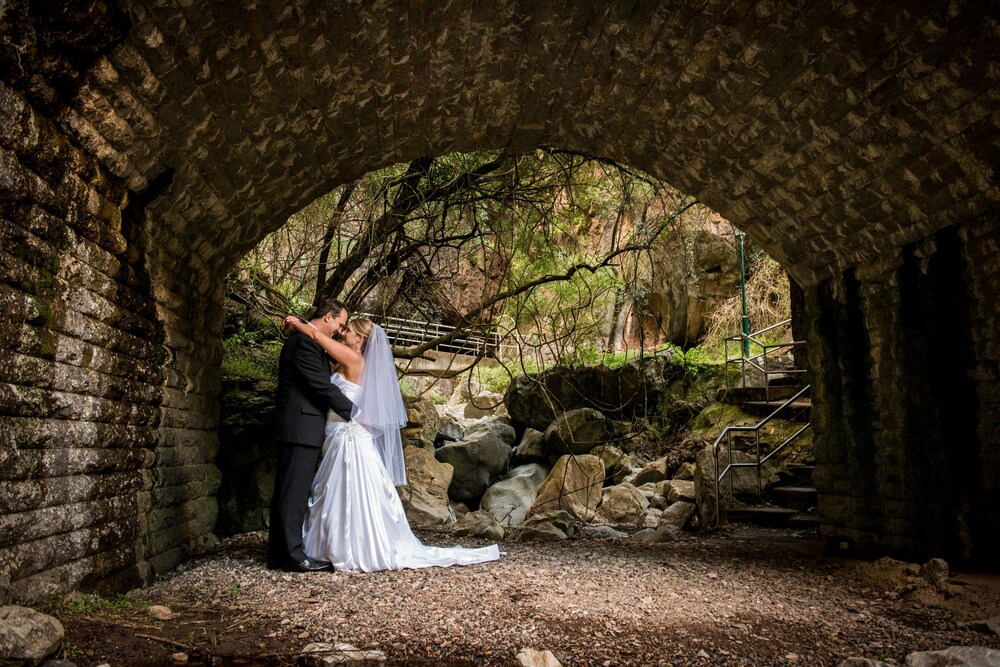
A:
<point x="304" y="395"/>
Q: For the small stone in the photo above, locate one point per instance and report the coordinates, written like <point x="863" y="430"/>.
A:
<point x="792" y="657"/>
<point x="179" y="658"/>
<point x="703" y="654"/>
<point x="304" y="635"/>
<point x="160" y="612"/>
<point x="529" y="657"/>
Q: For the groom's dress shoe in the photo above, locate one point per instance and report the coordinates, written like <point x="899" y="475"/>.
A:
<point x="310" y="565"/>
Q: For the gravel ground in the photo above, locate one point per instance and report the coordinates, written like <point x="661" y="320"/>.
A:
<point x="738" y="597"/>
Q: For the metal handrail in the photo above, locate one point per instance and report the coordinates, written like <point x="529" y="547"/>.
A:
<point x="759" y="463"/>
<point x="405" y="333"/>
<point x="758" y="361"/>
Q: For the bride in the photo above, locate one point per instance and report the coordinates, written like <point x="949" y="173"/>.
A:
<point x="355" y="519"/>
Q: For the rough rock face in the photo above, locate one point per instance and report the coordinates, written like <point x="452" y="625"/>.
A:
<point x="485" y="404"/>
<point x="537" y="400"/>
<point x="617" y="464"/>
<point x="422" y="414"/>
<point x="531" y="448"/>
<point x="478" y="524"/>
<point x="478" y="459"/>
<point x="693" y="272"/>
<point x="577" y="432"/>
<point x="573" y="486"/>
<point x="508" y="499"/>
<point x="425" y="496"/>
<point x="27" y="637"/>
<point x="621" y="505"/>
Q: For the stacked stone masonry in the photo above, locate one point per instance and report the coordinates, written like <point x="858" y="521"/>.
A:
<point x="909" y="451"/>
<point x="145" y="146"/>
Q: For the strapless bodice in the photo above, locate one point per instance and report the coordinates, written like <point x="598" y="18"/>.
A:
<point x="350" y="389"/>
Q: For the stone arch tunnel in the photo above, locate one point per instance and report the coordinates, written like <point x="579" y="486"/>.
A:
<point x="146" y="145"/>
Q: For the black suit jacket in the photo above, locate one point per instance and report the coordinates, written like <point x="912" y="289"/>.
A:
<point x="305" y="393"/>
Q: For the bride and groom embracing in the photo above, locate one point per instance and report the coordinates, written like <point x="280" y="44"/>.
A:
<point x="346" y="514"/>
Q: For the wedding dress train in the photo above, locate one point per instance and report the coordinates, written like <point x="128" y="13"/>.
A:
<point x="356" y="520"/>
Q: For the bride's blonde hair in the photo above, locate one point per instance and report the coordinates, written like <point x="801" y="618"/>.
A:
<point x="361" y="326"/>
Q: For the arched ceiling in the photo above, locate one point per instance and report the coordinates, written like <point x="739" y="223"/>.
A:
<point x="828" y="131"/>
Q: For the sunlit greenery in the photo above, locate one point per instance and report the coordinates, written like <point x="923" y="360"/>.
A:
<point x="552" y="250"/>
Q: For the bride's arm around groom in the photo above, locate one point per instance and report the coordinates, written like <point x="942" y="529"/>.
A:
<point x="303" y="397"/>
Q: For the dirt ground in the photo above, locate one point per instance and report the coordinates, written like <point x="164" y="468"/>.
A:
<point x="736" y="597"/>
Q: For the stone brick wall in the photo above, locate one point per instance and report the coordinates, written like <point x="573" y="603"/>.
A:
<point x="106" y="409"/>
<point x="905" y="361"/>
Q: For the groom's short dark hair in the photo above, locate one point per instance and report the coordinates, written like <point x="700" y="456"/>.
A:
<point x="332" y="306"/>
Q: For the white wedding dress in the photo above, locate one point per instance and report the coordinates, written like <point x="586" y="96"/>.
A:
<point x="356" y="520"/>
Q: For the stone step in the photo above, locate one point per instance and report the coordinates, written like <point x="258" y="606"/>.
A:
<point x="800" y="521"/>
<point x="798" y="474"/>
<point x="760" y="515"/>
<point x="798" y="411"/>
<point x="791" y="380"/>
<point x="795" y="497"/>
<point x="775" y="517"/>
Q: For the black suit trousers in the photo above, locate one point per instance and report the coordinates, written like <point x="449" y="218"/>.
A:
<point x="292" y="484"/>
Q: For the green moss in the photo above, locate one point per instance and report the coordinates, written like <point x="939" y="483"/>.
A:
<point x="46" y="344"/>
<point x="718" y="416"/>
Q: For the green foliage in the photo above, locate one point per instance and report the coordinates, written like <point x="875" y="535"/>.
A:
<point x="407" y="388"/>
<point x="493" y="378"/>
<point x="247" y="356"/>
<point x="88" y="604"/>
<point x="768" y="302"/>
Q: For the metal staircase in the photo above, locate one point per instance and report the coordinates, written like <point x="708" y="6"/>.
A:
<point x="769" y="387"/>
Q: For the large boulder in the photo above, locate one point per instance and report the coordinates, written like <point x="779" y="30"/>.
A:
<point x="485" y="404"/>
<point x="508" y="499"/>
<point x="625" y="391"/>
<point x="621" y="505"/>
<point x="477" y="460"/>
<point x="678" y="489"/>
<point x="617" y="464"/>
<point x="531" y="449"/>
<point x="451" y="429"/>
<point x="677" y="515"/>
<point x="536" y="400"/>
<point x="655" y="471"/>
<point x="27" y="636"/>
<point x="547" y="526"/>
<point x="498" y="426"/>
<point x="422" y="416"/>
<point x="425" y="496"/>
<point x="478" y="524"/>
<point x="573" y="486"/>
<point x="577" y="432"/>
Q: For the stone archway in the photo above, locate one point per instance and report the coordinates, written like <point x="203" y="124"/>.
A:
<point x="147" y="146"/>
